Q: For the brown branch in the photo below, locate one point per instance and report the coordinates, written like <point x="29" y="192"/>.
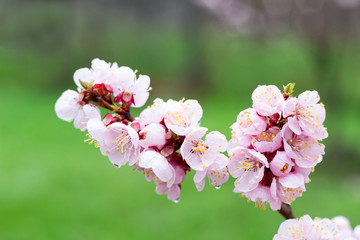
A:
<point x="286" y="211"/>
<point x="101" y="98"/>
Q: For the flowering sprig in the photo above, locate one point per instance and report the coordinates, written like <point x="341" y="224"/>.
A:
<point x="275" y="146"/>
<point x="305" y="227"/>
<point x="164" y="142"/>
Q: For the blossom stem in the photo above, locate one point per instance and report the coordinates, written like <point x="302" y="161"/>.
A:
<point x="123" y="112"/>
<point x="286" y="211"/>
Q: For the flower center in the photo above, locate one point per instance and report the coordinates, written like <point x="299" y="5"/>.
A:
<point x="122" y="143"/>
<point x="200" y="148"/>
<point x="284" y="168"/>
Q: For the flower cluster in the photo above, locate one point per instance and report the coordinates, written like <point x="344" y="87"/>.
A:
<point x="164" y="142"/>
<point x="275" y="145"/>
<point x="337" y="228"/>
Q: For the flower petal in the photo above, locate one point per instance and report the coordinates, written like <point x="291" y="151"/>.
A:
<point x="66" y="107"/>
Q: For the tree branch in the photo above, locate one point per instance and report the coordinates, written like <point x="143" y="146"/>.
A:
<point x="286" y="211"/>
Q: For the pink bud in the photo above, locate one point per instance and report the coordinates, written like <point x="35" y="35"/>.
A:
<point x="153" y="135"/>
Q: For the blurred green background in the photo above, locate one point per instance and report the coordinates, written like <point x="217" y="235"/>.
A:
<point x="54" y="186"/>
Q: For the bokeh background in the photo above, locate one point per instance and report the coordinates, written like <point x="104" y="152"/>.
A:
<point x="54" y="186"/>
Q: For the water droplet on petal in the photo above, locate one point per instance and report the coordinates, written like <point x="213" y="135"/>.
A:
<point x="218" y="187"/>
<point x="116" y="165"/>
<point x="176" y="200"/>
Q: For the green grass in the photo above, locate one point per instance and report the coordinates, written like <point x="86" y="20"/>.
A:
<point x="54" y="186"/>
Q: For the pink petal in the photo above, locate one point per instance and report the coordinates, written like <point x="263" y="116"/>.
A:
<point x="196" y="134"/>
<point x="289" y="107"/>
<point x="123" y="80"/>
<point x="80" y="120"/>
<point x="174" y="192"/>
<point x="199" y="180"/>
<point x="180" y="173"/>
<point x="161" y="167"/>
<point x="96" y="129"/>
<point x="134" y="136"/>
<point x="267" y="141"/>
<point x="275" y="202"/>
<point x="292" y="180"/>
<point x="220" y="162"/>
<point x="218" y="176"/>
<point x="117" y="158"/>
<point x="83" y="74"/>
<point x="67" y="107"/>
<point x="267" y="100"/>
<point x="154" y="136"/>
<point x="141" y="92"/>
<point x="249" y="180"/>
<point x="260" y="193"/>
<point x="250" y="123"/>
<point x="194" y="161"/>
<point x="239" y="139"/>
<point x="356" y="232"/>
<point x="308" y="97"/>
<point x="91" y="111"/>
<point x="294" y="125"/>
<point x="99" y="65"/>
<point x="216" y="140"/>
<point x="154" y="114"/>
<point x="281" y="164"/>
<point x="261" y="158"/>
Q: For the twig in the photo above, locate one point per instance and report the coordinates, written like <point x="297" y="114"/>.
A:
<point x="286" y="211"/>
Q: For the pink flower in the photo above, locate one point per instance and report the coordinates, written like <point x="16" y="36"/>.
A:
<point x="216" y="172"/>
<point x="318" y="229"/>
<point x="121" y="80"/>
<point x="69" y="107"/>
<point x="281" y="164"/>
<point x="200" y="154"/>
<point x="301" y="228"/>
<point x="118" y="141"/>
<point x="248" y="122"/>
<point x="356" y="232"/>
<point x="305" y="115"/>
<point x="267" y="100"/>
<point x="172" y="187"/>
<point x="153" y="114"/>
<point x="289" y="194"/>
<point x="182" y="117"/>
<point x="173" y="191"/>
<point x="326" y="227"/>
<point x="127" y="88"/>
<point x="84" y="75"/>
<point x="264" y="195"/>
<point x="343" y="224"/>
<point x="159" y="165"/>
<point x="238" y="138"/>
<point x="291" y="185"/>
<point x="248" y="167"/>
<point x="267" y="141"/>
<point x="306" y="151"/>
<point x="153" y="135"/>
<point x="100" y="72"/>
<point x="270" y="158"/>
